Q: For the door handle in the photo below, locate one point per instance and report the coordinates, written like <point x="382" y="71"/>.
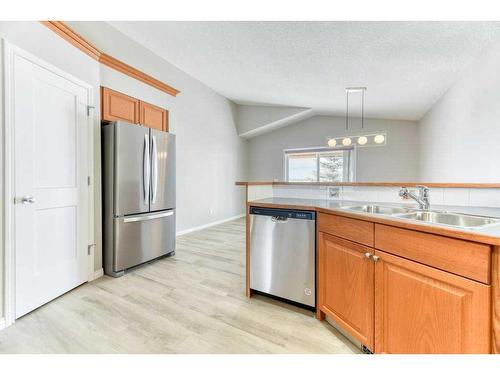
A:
<point x="154" y="169"/>
<point x="145" y="169"/>
<point x="27" y="199"/>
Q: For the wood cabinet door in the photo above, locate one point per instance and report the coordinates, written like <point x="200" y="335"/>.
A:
<point x="346" y="286"/>
<point x="420" y="309"/>
<point x="153" y="116"/>
<point x="116" y="106"/>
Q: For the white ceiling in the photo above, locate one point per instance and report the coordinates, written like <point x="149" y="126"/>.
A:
<point x="406" y="66"/>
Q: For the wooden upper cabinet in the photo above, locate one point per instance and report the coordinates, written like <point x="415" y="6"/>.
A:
<point x="345" y="286"/>
<point x="420" y="309"/>
<point x="153" y="116"/>
<point x="116" y="106"/>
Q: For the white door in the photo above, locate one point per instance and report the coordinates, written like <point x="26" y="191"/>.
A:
<point x="50" y="183"/>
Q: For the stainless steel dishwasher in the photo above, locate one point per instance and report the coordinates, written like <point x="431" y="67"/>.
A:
<point x="283" y="254"/>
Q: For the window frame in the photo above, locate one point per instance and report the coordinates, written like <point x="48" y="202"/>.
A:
<point x="349" y="173"/>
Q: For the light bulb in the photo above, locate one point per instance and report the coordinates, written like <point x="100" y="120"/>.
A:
<point x="346" y="141"/>
<point x="332" y="142"/>
<point x="362" y="140"/>
<point x="379" y="139"/>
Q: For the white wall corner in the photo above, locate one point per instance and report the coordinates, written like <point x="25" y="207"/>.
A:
<point x="97" y="274"/>
<point x="214" y="223"/>
<point x="254" y="120"/>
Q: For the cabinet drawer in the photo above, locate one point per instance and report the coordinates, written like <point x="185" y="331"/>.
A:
<point x="351" y="229"/>
<point x="468" y="259"/>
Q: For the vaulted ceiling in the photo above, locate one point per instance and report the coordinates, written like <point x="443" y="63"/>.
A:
<point x="406" y="66"/>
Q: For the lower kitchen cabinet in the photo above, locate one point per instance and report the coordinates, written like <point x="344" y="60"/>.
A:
<point x="345" y="286"/>
<point x="414" y="297"/>
<point x="420" y="309"/>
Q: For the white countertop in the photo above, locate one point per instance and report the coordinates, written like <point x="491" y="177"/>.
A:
<point x="487" y="234"/>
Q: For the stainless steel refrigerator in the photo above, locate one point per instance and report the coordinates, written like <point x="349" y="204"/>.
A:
<point x="139" y="195"/>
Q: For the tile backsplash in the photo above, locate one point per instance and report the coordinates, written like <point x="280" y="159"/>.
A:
<point x="438" y="196"/>
<point x="256" y="192"/>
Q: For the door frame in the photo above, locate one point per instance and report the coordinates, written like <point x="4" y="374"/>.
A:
<point x="9" y="51"/>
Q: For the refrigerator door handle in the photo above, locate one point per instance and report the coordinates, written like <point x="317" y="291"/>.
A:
<point x="154" y="170"/>
<point x="147" y="217"/>
<point x="145" y="169"/>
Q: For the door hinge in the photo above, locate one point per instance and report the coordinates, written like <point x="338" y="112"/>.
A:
<point x="88" y="180"/>
<point x="90" y="247"/>
<point x="365" y="350"/>
<point x="89" y="107"/>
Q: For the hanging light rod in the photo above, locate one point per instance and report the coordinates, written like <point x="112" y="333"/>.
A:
<point x="350" y="90"/>
<point x="355" y="89"/>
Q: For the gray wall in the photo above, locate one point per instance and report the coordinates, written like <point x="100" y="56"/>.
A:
<point x="251" y="117"/>
<point x="460" y="135"/>
<point x="397" y="161"/>
<point x="210" y="155"/>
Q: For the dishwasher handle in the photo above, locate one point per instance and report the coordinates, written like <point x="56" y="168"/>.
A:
<point x="279" y="219"/>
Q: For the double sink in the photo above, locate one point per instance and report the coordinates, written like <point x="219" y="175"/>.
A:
<point x="431" y="217"/>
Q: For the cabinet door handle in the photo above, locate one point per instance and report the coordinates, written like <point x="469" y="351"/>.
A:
<point x="368" y="255"/>
<point x="375" y="258"/>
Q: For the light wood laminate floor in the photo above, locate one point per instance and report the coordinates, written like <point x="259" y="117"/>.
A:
<point x="193" y="302"/>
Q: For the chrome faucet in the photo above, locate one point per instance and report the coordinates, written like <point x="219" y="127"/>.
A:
<point x="422" y="198"/>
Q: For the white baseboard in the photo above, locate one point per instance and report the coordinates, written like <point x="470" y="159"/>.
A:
<point x="2" y="323"/>
<point x="97" y="274"/>
<point x="213" y="223"/>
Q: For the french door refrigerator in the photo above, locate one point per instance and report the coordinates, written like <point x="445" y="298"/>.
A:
<point x="139" y="195"/>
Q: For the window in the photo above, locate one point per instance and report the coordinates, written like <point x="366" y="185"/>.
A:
<point x="320" y="164"/>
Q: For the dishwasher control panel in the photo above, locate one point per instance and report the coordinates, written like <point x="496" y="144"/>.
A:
<point x="295" y="214"/>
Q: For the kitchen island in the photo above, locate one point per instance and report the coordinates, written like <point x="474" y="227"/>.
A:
<point x="397" y="285"/>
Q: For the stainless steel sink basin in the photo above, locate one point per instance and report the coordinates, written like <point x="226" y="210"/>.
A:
<point x="455" y="220"/>
<point x="376" y="209"/>
<point x="432" y="217"/>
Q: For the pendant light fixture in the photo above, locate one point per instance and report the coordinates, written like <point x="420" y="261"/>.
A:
<point x="379" y="139"/>
<point x="362" y="140"/>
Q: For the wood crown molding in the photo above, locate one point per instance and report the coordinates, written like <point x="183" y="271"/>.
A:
<point x="65" y="32"/>
<point x="73" y="38"/>
<point x="116" y="64"/>
<point x="464" y="185"/>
